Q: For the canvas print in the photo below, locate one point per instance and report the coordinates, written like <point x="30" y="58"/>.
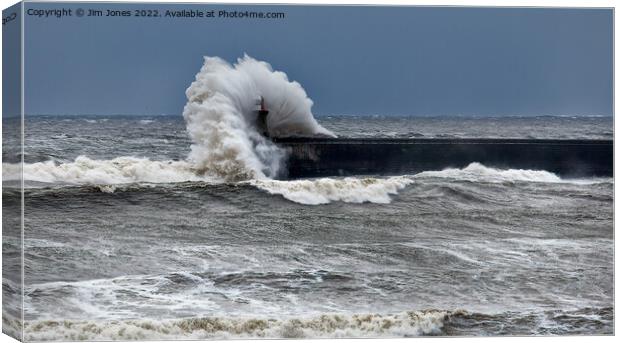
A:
<point x="212" y="171"/>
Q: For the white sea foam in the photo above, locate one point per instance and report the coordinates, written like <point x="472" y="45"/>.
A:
<point x="479" y="172"/>
<point x="125" y="170"/>
<point x="414" y="323"/>
<point x="326" y="190"/>
<point x="106" y="172"/>
<point x="221" y="118"/>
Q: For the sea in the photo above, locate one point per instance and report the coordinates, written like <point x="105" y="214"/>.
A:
<point x="124" y="240"/>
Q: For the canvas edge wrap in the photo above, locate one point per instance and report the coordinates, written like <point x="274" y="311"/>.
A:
<point x="12" y="152"/>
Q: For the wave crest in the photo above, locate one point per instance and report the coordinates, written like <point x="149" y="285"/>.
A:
<point x="326" y="190"/>
<point x="478" y="172"/>
<point x="413" y="323"/>
<point x="107" y="175"/>
<point x="120" y="170"/>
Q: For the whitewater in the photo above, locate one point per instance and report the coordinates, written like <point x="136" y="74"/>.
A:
<point x="127" y="170"/>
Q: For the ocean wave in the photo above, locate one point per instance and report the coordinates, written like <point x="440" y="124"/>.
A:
<point x="222" y="120"/>
<point x="478" y="172"/>
<point x="132" y="173"/>
<point x="430" y="322"/>
<point x="326" y="190"/>
<point x="405" y="324"/>
<point x="121" y="170"/>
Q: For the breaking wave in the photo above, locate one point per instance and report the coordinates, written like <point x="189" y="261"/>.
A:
<point x="221" y="118"/>
<point x="478" y="172"/>
<point x="431" y="322"/>
<point x="121" y="170"/>
<point x="107" y="174"/>
<point x="324" y="191"/>
<point x="414" y="323"/>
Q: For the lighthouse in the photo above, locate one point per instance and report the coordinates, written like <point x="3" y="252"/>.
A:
<point x="261" y="117"/>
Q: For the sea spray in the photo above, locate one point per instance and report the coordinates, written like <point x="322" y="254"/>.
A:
<point x="221" y="118"/>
